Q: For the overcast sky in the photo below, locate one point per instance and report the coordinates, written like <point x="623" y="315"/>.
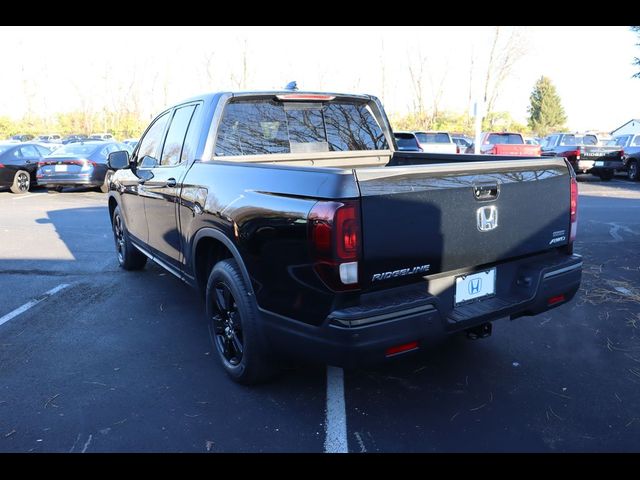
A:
<point x="50" y="69"/>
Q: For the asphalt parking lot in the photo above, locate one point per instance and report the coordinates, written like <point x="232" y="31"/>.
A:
<point x="114" y="361"/>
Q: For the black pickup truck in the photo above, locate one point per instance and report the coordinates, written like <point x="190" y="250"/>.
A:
<point x="308" y="233"/>
<point x="583" y="153"/>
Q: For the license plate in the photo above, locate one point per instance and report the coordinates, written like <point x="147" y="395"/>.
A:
<point x="599" y="164"/>
<point x="60" y="168"/>
<point x="475" y="285"/>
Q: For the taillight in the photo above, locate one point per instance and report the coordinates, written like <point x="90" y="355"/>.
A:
<point x="457" y="148"/>
<point x="335" y="238"/>
<point x="572" y="153"/>
<point x="1" y="165"/>
<point x="573" y="208"/>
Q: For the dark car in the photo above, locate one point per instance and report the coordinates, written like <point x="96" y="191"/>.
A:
<point x="407" y="142"/>
<point x="74" y="138"/>
<point x="309" y="234"/>
<point x="78" y="164"/>
<point x="463" y="143"/>
<point x="22" y="137"/>
<point x="18" y="164"/>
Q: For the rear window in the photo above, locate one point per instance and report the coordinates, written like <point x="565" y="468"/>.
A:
<point x="75" y="149"/>
<point x="505" y="139"/>
<point x="432" y="137"/>
<point x="269" y="127"/>
<point x="406" y="140"/>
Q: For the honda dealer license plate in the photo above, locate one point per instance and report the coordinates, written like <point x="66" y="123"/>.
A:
<point x="475" y="285"/>
<point x="60" y="168"/>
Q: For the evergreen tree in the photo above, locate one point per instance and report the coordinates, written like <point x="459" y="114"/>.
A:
<point x="545" y="112"/>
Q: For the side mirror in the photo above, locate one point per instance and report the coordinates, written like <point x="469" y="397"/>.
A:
<point x="118" y="160"/>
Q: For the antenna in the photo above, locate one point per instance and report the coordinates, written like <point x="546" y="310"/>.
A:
<point x="291" y="86"/>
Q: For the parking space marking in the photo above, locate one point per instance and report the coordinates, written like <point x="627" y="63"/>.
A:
<point x="31" y="195"/>
<point x="336" y="420"/>
<point x="32" y="303"/>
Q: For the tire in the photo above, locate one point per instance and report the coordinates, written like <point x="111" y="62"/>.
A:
<point x="129" y="257"/>
<point x="106" y="185"/>
<point x="21" y="182"/>
<point x="632" y="171"/>
<point x="606" y="175"/>
<point x="235" y="327"/>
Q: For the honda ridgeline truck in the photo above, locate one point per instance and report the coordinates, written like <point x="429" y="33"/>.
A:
<point x="308" y="233"/>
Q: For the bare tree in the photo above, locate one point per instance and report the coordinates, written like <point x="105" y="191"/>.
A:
<point x="505" y="52"/>
<point x="383" y="76"/>
<point x="416" y="75"/>
<point x="240" y="80"/>
<point x="437" y="91"/>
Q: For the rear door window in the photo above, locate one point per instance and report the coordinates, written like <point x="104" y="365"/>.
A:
<point x="269" y="127"/>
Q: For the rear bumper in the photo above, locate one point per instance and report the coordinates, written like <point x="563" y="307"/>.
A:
<point x="592" y="166"/>
<point x="362" y="334"/>
<point x="70" y="181"/>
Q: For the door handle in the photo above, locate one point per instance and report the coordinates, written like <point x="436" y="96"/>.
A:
<point x="171" y="182"/>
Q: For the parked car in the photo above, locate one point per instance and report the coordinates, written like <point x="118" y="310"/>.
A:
<point x="436" y="142"/>
<point x="630" y="145"/>
<point x="507" y="143"/>
<point x="100" y="136"/>
<point x="407" y="142"/>
<point x="49" y="138"/>
<point x="22" y="137"/>
<point x="132" y="142"/>
<point x="74" y="138"/>
<point x="309" y="234"/>
<point x="18" y="164"/>
<point x="584" y="154"/>
<point x="531" y="141"/>
<point x="78" y="164"/>
<point x="463" y="143"/>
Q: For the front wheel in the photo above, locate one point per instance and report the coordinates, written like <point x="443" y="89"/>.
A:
<point x="21" y="182"/>
<point x="235" y="327"/>
<point x="129" y="257"/>
<point x="632" y="170"/>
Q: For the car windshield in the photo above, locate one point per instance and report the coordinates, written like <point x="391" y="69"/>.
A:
<point x="505" y="139"/>
<point x="432" y="137"/>
<point x="76" y="149"/>
<point x="4" y="148"/>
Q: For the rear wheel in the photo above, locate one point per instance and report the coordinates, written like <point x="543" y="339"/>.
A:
<point x="606" y="175"/>
<point x="21" y="182"/>
<point x="129" y="257"/>
<point x="632" y="170"/>
<point x="235" y="327"/>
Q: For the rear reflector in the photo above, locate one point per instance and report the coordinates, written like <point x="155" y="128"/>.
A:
<point x="554" y="300"/>
<point x="573" y="208"/>
<point x="401" y="349"/>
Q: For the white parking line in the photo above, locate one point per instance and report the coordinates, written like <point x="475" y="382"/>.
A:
<point x="29" y="195"/>
<point x="32" y="303"/>
<point x="336" y="419"/>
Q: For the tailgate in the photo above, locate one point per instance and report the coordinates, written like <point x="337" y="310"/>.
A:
<point x="600" y="153"/>
<point x="515" y="149"/>
<point x="433" y="214"/>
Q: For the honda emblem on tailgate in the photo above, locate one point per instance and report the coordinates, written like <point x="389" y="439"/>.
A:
<point x="487" y="218"/>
